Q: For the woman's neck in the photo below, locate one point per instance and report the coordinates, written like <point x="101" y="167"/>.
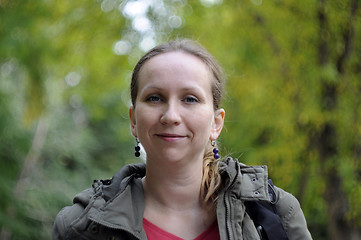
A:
<point x="172" y="199"/>
<point x="173" y="186"/>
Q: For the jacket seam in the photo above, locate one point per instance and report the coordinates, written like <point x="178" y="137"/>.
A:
<point x="288" y="216"/>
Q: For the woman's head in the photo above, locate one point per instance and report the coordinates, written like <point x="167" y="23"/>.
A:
<point x="190" y="47"/>
<point x="176" y="91"/>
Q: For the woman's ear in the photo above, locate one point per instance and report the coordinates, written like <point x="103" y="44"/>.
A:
<point x="133" y="122"/>
<point x="218" y="122"/>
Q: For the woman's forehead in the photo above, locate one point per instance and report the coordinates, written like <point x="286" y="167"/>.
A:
<point x="179" y="68"/>
<point x="176" y="62"/>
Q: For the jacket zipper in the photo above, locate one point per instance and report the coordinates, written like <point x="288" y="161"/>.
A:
<point x="228" y="227"/>
<point x="227" y="213"/>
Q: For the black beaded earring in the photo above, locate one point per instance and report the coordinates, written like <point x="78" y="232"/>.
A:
<point x="215" y="150"/>
<point x="137" y="148"/>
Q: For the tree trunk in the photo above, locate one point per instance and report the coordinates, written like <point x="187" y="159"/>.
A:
<point x="339" y="227"/>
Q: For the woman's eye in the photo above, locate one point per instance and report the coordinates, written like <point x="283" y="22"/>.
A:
<point x="191" y="99"/>
<point x="153" y="98"/>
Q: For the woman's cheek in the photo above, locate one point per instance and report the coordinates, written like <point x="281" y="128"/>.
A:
<point x="203" y="119"/>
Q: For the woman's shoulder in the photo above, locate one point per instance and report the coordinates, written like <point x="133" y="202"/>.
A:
<point x="69" y="214"/>
<point x="286" y="202"/>
<point x="254" y="185"/>
<point x="101" y="190"/>
<point x="292" y="217"/>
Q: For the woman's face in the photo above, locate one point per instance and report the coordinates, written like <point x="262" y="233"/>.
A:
<point x="174" y="117"/>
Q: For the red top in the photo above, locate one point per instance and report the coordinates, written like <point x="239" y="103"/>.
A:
<point x="156" y="233"/>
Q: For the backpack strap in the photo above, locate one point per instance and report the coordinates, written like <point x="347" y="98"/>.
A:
<point x="265" y="217"/>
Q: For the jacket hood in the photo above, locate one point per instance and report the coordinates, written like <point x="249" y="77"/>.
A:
<point x="116" y="184"/>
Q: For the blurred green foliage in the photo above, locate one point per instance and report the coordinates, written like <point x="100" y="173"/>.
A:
<point x="293" y="98"/>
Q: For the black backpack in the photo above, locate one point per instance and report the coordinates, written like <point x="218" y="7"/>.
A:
<point x="265" y="217"/>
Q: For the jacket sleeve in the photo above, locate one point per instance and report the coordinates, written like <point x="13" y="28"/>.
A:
<point x="292" y="217"/>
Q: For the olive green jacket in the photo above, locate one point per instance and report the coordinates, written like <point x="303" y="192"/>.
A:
<point x="113" y="209"/>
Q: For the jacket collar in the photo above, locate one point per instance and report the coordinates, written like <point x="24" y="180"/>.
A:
<point x="248" y="183"/>
<point x="252" y="180"/>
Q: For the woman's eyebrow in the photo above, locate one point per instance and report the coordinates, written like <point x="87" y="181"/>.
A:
<point x="157" y="87"/>
<point x="152" y="87"/>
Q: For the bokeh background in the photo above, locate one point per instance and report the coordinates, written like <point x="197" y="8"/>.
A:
<point x="293" y="98"/>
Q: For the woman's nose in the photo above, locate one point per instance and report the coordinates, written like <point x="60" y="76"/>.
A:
<point x="171" y="114"/>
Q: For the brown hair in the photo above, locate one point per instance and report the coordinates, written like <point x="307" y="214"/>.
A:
<point x="211" y="180"/>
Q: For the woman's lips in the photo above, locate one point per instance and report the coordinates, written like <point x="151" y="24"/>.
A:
<point x="170" y="137"/>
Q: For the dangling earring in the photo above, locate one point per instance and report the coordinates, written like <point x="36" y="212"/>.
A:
<point x="137" y="148"/>
<point x="215" y="150"/>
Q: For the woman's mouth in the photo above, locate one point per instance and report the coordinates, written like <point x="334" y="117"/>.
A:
<point x="170" y="137"/>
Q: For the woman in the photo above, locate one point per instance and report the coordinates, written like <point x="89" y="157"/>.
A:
<point x="184" y="192"/>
